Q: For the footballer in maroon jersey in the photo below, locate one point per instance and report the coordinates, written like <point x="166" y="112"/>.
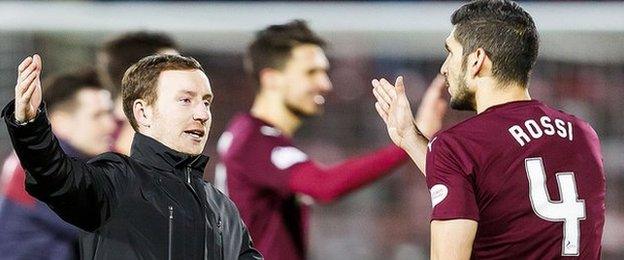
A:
<point x="271" y="180"/>
<point x="519" y="180"/>
<point x="531" y="176"/>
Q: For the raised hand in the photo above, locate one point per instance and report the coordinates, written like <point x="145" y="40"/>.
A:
<point x="432" y="108"/>
<point x="394" y="108"/>
<point x="28" y="89"/>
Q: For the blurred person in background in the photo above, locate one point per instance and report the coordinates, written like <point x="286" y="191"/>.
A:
<point x="80" y="112"/>
<point x="114" y="57"/>
<point x="152" y="204"/>
<point x="271" y="181"/>
<point x="519" y="180"/>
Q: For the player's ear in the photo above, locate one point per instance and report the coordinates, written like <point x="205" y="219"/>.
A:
<point x="270" y="78"/>
<point x="142" y="113"/>
<point x="476" y="62"/>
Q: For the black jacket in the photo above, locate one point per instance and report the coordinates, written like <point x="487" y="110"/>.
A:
<point x="151" y="205"/>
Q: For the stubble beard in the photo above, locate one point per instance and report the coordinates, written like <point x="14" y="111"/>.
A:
<point x="463" y="100"/>
<point x="298" y="112"/>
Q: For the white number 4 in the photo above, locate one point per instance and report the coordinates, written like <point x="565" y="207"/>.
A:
<point x="570" y="209"/>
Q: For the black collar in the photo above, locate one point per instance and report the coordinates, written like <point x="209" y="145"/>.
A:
<point x="153" y="153"/>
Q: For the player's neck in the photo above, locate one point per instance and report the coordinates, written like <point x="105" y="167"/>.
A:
<point x="492" y="95"/>
<point x="274" y="112"/>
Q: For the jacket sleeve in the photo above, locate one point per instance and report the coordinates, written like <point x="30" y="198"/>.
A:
<point x="247" y="251"/>
<point x="81" y="193"/>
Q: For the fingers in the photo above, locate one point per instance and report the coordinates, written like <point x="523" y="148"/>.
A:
<point x="27" y="71"/>
<point x="382" y="112"/>
<point x="381" y="95"/>
<point x="24" y="64"/>
<point x="23" y="87"/>
<point x="29" y="91"/>
<point x="435" y="89"/>
<point x="382" y="102"/>
<point x="438" y="82"/>
<point x="398" y="85"/>
<point x="37" y="60"/>
<point x="388" y="88"/>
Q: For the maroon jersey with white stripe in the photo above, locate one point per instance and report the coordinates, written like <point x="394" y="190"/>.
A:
<point x="256" y="166"/>
<point x="531" y="176"/>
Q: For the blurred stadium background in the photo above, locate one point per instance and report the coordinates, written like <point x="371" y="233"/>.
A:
<point x="580" y="70"/>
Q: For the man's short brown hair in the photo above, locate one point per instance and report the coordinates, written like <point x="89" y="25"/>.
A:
<point x="273" y="46"/>
<point x="141" y="80"/>
<point x="119" y="53"/>
<point x="505" y="31"/>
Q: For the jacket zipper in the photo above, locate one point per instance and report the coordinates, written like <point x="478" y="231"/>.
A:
<point x="170" y="232"/>
<point x="220" y="230"/>
<point x="188" y="181"/>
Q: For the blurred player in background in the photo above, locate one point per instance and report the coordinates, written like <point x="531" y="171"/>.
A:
<point x="519" y="180"/>
<point x="114" y="58"/>
<point x="271" y="181"/>
<point x="81" y="114"/>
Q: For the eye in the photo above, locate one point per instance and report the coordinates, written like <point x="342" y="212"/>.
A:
<point x="207" y="103"/>
<point x="185" y="101"/>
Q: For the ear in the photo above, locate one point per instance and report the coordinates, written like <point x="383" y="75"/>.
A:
<point x="476" y="62"/>
<point x="270" y="78"/>
<point x="142" y="113"/>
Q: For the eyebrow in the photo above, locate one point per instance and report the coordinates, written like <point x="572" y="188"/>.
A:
<point x="193" y="94"/>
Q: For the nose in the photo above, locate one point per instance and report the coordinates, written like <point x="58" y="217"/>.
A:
<point x="325" y="84"/>
<point x="202" y="113"/>
<point x="444" y="68"/>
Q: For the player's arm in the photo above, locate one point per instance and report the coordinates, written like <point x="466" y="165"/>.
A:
<point x="452" y="239"/>
<point x="394" y="108"/>
<point x="327" y="184"/>
<point x="81" y="193"/>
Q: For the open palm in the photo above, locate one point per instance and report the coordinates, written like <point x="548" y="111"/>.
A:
<point x="394" y="108"/>
<point x="28" y="89"/>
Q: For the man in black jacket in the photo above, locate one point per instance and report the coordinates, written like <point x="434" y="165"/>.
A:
<point x="153" y="204"/>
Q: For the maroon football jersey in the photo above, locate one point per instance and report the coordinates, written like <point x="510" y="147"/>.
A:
<point x="531" y="176"/>
<point x="254" y="170"/>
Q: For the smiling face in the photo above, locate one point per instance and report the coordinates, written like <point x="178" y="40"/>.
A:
<point x="305" y="82"/>
<point x="180" y="118"/>
<point x="454" y="71"/>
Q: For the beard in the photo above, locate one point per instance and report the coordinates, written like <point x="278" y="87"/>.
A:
<point x="300" y="113"/>
<point x="464" y="99"/>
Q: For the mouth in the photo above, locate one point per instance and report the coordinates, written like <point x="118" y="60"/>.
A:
<point x="195" y="134"/>
<point x="319" y="100"/>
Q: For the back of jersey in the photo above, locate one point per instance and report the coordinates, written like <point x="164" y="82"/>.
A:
<point x="532" y="177"/>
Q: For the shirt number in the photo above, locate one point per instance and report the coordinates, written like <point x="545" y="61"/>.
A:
<point x="570" y="209"/>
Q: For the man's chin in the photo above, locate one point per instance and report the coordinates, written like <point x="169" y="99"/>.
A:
<point x="462" y="105"/>
<point x="192" y="149"/>
<point x="192" y="152"/>
<point x="305" y="113"/>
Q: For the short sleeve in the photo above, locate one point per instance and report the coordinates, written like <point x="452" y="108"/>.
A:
<point x="450" y="184"/>
<point x="263" y="163"/>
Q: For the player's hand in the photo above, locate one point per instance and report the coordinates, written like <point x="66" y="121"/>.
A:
<point x="432" y="108"/>
<point x="28" y="89"/>
<point x="394" y="108"/>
